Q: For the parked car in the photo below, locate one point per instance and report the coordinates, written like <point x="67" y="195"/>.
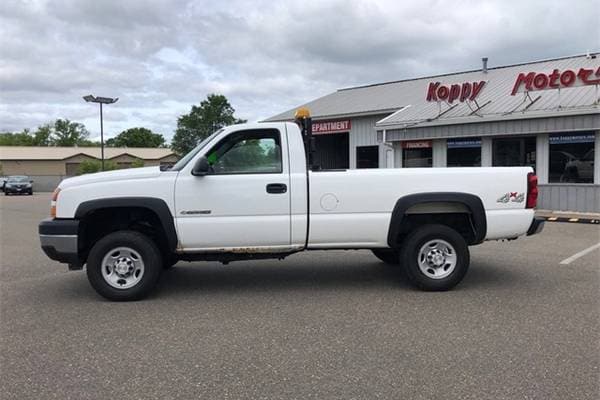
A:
<point x="2" y="182"/>
<point x="18" y="184"/>
<point x="248" y="192"/>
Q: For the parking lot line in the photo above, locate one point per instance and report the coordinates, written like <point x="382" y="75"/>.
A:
<point x="582" y="253"/>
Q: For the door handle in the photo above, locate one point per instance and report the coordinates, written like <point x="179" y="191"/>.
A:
<point x="276" y="188"/>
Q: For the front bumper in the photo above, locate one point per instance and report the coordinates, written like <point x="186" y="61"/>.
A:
<point x="59" y="240"/>
<point x="13" y="189"/>
<point x="536" y="226"/>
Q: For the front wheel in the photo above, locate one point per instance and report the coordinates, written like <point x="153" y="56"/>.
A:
<point x="436" y="257"/>
<point x="124" y="265"/>
<point x="169" y="261"/>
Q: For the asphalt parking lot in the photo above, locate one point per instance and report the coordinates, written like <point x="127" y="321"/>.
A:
<point x="318" y="325"/>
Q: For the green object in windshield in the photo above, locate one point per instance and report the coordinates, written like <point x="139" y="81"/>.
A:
<point x="212" y="158"/>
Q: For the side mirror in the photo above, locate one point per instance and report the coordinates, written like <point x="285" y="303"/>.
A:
<point x="31" y="181"/>
<point x="201" y="167"/>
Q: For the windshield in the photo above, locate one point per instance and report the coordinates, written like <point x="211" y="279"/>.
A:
<point x="18" y="179"/>
<point x="182" y="163"/>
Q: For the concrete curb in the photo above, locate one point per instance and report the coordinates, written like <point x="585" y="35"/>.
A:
<point x="580" y="218"/>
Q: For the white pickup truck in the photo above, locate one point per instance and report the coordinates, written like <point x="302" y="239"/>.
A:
<point x="249" y="191"/>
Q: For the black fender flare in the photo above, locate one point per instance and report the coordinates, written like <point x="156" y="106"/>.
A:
<point x="158" y="206"/>
<point x="471" y="201"/>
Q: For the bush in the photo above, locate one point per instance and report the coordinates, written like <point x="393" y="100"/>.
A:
<point x="137" y="163"/>
<point x="91" y="166"/>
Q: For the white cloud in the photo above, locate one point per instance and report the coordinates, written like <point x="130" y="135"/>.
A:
<point x="161" y="57"/>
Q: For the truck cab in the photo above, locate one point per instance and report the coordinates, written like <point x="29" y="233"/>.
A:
<point x="246" y="180"/>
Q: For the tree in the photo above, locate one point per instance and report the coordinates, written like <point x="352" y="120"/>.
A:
<point x="68" y="133"/>
<point x="246" y="155"/>
<point x="137" y="163"/>
<point x="137" y="137"/>
<point x="23" y="138"/>
<point x="91" y="166"/>
<point x="59" y="133"/>
<point x="42" y="137"/>
<point x="213" y="113"/>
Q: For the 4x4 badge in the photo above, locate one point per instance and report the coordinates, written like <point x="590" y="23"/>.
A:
<point x="513" y="197"/>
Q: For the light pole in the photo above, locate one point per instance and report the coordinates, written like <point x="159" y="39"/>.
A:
<point x="101" y="100"/>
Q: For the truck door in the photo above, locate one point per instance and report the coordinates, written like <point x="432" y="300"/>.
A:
<point x="244" y="202"/>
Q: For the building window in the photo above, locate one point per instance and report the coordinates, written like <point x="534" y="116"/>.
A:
<point x="417" y="154"/>
<point x="464" y="152"/>
<point x="367" y="157"/>
<point x="514" y="152"/>
<point x="572" y="158"/>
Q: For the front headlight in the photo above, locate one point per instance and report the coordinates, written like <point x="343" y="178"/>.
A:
<point x="53" y="202"/>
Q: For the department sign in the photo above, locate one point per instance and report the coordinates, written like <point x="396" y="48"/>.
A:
<point x="325" y="127"/>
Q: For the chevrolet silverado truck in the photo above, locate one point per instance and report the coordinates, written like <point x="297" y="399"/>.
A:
<point x="252" y="191"/>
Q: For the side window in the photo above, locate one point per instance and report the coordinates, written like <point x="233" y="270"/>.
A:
<point x="247" y="152"/>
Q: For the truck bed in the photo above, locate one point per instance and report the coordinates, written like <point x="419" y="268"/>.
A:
<point x="351" y="203"/>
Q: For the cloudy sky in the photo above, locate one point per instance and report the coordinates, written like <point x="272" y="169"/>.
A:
<point x="160" y="57"/>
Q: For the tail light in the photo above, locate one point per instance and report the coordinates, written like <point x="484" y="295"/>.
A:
<point x="532" y="190"/>
<point x="53" y="202"/>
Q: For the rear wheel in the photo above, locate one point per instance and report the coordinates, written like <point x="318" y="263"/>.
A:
<point x="436" y="257"/>
<point x="388" y="256"/>
<point x="124" y="265"/>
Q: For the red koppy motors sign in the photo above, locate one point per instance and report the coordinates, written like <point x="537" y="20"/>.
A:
<point x="324" y="127"/>
<point x="461" y="92"/>
<point x="531" y="81"/>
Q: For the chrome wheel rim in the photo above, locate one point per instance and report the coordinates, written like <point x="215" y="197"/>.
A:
<point x="122" y="267"/>
<point x="437" y="259"/>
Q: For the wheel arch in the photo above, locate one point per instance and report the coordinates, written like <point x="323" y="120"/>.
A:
<point x="154" y="205"/>
<point x="438" y="203"/>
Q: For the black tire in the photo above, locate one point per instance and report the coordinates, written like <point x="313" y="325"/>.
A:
<point x="409" y="257"/>
<point x="388" y="256"/>
<point x="149" y="253"/>
<point x="169" y="261"/>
